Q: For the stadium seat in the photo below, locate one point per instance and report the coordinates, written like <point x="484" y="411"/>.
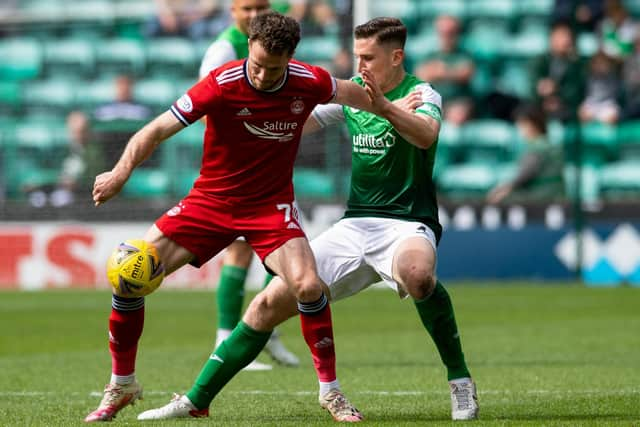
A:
<point x="147" y="183"/>
<point x="406" y="10"/>
<point x="539" y="8"/>
<point x="316" y="49"/>
<point x="489" y="141"/>
<point x="172" y="57"/>
<point x="89" y="94"/>
<point x="598" y="142"/>
<point x="514" y="79"/>
<point x="587" y="44"/>
<point x="449" y="149"/>
<point x="432" y="9"/>
<point x="121" y="56"/>
<point x="620" y="179"/>
<point x="21" y="59"/>
<point x="52" y="94"/>
<point x="628" y="143"/>
<point x="157" y="93"/>
<point x="421" y="45"/>
<point x="10" y="96"/>
<point x="495" y="9"/>
<point x="526" y="44"/>
<point x="467" y="180"/>
<point x="35" y="153"/>
<point x="183" y="156"/>
<point x="93" y="11"/>
<point x="72" y="55"/>
<point x="41" y="10"/>
<point x="486" y="40"/>
<point x="313" y="183"/>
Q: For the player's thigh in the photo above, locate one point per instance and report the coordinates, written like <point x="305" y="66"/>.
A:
<point x="173" y="255"/>
<point x="338" y="253"/>
<point x="239" y="253"/>
<point x="293" y="261"/>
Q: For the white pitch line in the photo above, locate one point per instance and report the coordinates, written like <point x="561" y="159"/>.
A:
<point x="361" y="392"/>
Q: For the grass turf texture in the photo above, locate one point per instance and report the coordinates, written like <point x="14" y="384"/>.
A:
<point x="541" y="355"/>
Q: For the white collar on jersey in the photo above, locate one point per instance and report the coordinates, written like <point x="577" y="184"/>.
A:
<point x="277" y="88"/>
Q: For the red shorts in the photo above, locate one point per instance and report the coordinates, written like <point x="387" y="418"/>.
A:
<point x="205" y="225"/>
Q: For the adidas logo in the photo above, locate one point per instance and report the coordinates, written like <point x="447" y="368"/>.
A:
<point x="324" y="342"/>
<point x="244" y="112"/>
<point x="293" y="225"/>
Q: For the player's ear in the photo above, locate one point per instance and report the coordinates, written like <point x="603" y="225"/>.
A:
<point x="397" y="57"/>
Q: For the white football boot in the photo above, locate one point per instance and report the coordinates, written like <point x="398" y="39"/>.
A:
<point x="464" y="399"/>
<point x="179" y="407"/>
<point x="278" y="352"/>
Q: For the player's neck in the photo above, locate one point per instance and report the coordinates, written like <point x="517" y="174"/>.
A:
<point x="394" y="81"/>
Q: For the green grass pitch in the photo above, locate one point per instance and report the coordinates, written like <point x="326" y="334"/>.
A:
<point x="540" y="354"/>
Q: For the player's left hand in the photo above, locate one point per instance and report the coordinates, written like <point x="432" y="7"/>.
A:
<point x="410" y="102"/>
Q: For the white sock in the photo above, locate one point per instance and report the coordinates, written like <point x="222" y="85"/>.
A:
<point x="327" y="387"/>
<point x="123" y="379"/>
<point x="221" y="335"/>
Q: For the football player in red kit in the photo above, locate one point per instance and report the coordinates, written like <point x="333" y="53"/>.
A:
<point x="255" y="110"/>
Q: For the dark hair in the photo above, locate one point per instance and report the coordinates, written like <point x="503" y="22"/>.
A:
<point x="384" y="29"/>
<point x="532" y="113"/>
<point x="276" y="33"/>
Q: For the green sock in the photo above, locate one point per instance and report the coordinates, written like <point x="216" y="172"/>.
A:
<point x="436" y="313"/>
<point x="230" y="295"/>
<point x="229" y="358"/>
<point x="267" y="279"/>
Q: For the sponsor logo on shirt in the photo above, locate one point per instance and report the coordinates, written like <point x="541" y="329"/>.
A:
<point x="185" y="104"/>
<point x="280" y="131"/>
<point x="370" y="144"/>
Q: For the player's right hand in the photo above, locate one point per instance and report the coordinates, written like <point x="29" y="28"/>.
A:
<point x="107" y="185"/>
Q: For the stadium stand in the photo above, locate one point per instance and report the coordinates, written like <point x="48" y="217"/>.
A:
<point x="62" y="55"/>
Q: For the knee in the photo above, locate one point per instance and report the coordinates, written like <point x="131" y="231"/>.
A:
<point x="420" y="284"/>
<point x="306" y="287"/>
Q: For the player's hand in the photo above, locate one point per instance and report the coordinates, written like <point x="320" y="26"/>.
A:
<point x="499" y="193"/>
<point x="107" y="185"/>
<point x="379" y="104"/>
<point x="410" y="102"/>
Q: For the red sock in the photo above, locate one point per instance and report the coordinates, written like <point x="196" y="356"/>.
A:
<point x="125" y="329"/>
<point x="317" y="330"/>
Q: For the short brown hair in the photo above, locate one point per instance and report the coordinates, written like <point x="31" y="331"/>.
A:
<point x="384" y="29"/>
<point x="276" y="33"/>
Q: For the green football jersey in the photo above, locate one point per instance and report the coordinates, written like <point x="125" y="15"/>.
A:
<point x="391" y="177"/>
<point x="238" y="40"/>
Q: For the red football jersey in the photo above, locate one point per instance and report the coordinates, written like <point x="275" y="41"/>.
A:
<point x="252" y="136"/>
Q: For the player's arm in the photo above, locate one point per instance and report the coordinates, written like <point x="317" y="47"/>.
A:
<point x="139" y="148"/>
<point x="418" y="129"/>
<point x="323" y="115"/>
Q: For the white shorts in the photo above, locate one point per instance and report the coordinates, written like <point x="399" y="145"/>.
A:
<point x="357" y="252"/>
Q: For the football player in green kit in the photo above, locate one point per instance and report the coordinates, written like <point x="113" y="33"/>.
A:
<point x="390" y="229"/>
<point x="232" y="44"/>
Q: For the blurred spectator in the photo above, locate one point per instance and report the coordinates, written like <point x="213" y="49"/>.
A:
<point x="113" y="131"/>
<point x="316" y="17"/>
<point x="450" y="71"/>
<point x="631" y="84"/>
<point x="582" y="15"/>
<point x="342" y="66"/>
<point x="196" y="19"/>
<point x="123" y="106"/>
<point x="81" y="165"/>
<point x="540" y="167"/>
<point x="603" y="91"/>
<point x="558" y="76"/>
<point x="617" y="31"/>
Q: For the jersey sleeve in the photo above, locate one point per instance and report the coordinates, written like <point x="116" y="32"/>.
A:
<point x="326" y="85"/>
<point x="432" y="102"/>
<point x="219" y="53"/>
<point x="201" y="99"/>
<point x="328" y="114"/>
